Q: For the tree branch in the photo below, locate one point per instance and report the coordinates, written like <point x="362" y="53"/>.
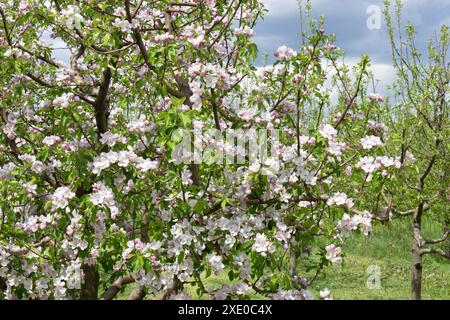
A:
<point x="442" y="239"/>
<point x="117" y="285"/>
<point x="436" y="251"/>
<point x="101" y="102"/>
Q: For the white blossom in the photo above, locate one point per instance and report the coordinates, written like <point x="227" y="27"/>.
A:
<point x="60" y="198"/>
<point x="332" y="253"/>
<point x="216" y="262"/>
<point x="370" y="142"/>
<point x="262" y="245"/>
<point x="51" y="140"/>
<point x="327" y="131"/>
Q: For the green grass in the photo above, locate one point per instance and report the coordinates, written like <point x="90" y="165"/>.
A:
<point x="349" y="281"/>
<point x="388" y="246"/>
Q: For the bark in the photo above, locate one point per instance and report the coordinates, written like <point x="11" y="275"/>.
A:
<point x="418" y="242"/>
<point x="101" y="105"/>
<point x="117" y="285"/>
<point x="91" y="280"/>
<point x="3" y="286"/>
<point x="416" y="283"/>
<point x="144" y="229"/>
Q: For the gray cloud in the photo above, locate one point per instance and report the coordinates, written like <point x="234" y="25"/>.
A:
<point x="347" y="19"/>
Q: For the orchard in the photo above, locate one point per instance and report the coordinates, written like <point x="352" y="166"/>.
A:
<point x="160" y="155"/>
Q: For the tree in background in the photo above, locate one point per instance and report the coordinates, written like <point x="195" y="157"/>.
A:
<point x="419" y="128"/>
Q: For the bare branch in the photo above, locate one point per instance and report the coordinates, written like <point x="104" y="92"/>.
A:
<point x="117" y="285"/>
<point x="445" y="237"/>
<point x="100" y="104"/>
<point x="437" y="251"/>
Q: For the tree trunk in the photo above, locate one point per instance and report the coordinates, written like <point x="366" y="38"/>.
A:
<point x="293" y="261"/>
<point x="416" y="283"/>
<point x="89" y="287"/>
<point x="3" y="287"/>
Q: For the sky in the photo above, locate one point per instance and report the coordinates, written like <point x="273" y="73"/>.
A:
<point x="347" y="19"/>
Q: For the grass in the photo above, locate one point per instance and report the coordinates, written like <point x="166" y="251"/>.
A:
<point x="388" y="247"/>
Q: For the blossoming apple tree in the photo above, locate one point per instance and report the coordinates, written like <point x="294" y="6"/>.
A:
<point x="419" y="122"/>
<point x="91" y="197"/>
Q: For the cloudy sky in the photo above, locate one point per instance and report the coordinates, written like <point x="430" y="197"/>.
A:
<point x="347" y="19"/>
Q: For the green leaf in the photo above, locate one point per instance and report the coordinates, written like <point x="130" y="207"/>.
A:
<point x="138" y="264"/>
<point x="185" y="119"/>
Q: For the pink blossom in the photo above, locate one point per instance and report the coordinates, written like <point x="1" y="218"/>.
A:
<point x="327" y="131"/>
<point x="51" y="140"/>
<point x="284" y="53"/>
<point x="247" y="114"/>
<point x="60" y="198"/>
<point x="109" y="138"/>
<point x="332" y="253"/>
<point x="245" y="31"/>
<point x="376" y="97"/>
<point x="369" y="142"/>
<point x="38" y="166"/>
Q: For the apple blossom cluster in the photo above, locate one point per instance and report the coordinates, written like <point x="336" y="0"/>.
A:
<point x="245" y="31"/>
<point x="370" y="142"/>
<point x="348" y="224"/>
<point x="326" y="294"/>
<point x="122" y="159"/>
<point x="376" y="97"/>
<point x="328" y="132"/>
<point x="340" y="199"/>
<point x="103" y="195"/>
<point x="5" y="170"/>
<point x="262" y="246"/>
<point x="71" y="17"/>
<point x="292" y="295"/>
<point x="284" y="53"/>
<point x="38" y="166"/>
<point x="370" y="165"/>
<point x="333" y="253"/>
<point x="60" y="198"/>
